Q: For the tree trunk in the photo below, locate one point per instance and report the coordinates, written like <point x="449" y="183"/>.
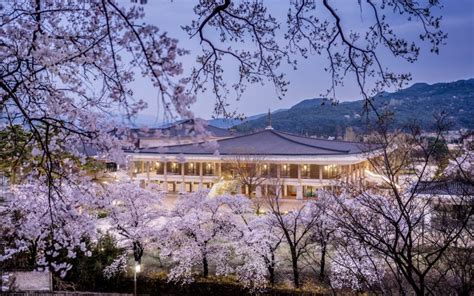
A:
<point x="322" y="273"/>
<point x="205" y="266"/>
<point x="296" y="275"/>
<point x="422" y="287"/>
<point x="32" y="256"/>
<point x="271" y="269"/>
<point x="137" y="251"/>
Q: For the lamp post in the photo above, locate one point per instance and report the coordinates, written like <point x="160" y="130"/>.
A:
<point x="136" y="270"/>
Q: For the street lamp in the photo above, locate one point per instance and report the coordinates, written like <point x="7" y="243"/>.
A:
<point x="136" y="270"/>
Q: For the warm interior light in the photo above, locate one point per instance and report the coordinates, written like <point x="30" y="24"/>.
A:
<point x="265" y="166"/>
<point x="305" y="167"/>
<point x="208" y="165"/>
<point x="174" y="164"/>
<point x="284" y="166"/>
<point x="191" y="164"/>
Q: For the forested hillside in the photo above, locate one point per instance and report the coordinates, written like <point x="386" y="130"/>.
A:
<point x="417" y="102"/>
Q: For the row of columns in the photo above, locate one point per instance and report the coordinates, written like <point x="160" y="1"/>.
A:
<point x="353" y="172"/>
<point x="146" y="166"/>
<point x="352" y="175"/>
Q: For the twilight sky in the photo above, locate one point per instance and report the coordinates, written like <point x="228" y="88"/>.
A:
<point x="455" y="61"/>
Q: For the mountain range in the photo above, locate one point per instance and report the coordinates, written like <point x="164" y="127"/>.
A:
<point x="420" y="102"/>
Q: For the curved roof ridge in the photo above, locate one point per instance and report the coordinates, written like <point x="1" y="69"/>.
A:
<point x="283" y="137"/>
<point x="305" y="144"/>
<point x="270" y="142"/>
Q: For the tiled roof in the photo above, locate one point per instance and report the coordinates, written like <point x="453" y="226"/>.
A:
<point x="447" y="187"/>
<point x="267" y="142"/>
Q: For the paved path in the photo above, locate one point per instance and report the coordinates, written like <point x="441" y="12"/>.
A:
<point x="285" y="204"/>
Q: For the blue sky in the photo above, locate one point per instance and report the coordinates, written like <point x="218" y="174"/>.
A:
<point x="455" y="61"/>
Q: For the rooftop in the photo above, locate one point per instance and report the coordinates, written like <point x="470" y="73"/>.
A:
<point x="266" y="142"/>
<point x="446" y="187"/>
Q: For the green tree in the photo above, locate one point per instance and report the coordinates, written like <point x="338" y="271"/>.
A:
<point x="87" y="273"/>
<point x="15" y="153"/>
<point x="440" y="153"/>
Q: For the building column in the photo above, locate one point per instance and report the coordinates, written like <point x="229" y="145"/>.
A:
<point x="285" y="190"/>
<point x="299" y="191"/>
<point x="200" y="176"/>
<point x="147" y="168"/>
<point x="239" y="188"/>
<point x="351" y="174"/>
<point x="182" y="187"/>
<point x="258" y="191"/>
<point x="165" y="177"/>
<point x="359" y="175"/>
<point x="131" y="169"/>
<point x="320" y="173"/>
<point x="219" y="169"/>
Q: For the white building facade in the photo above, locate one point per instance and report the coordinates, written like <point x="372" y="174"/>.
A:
<point x="297" y="167"/>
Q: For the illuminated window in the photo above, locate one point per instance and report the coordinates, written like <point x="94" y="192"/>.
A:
<point x="191" y="168"/>
<point x="208" y="169"/>
<point x="305" y="171"/>
<point x="285" y="170"/>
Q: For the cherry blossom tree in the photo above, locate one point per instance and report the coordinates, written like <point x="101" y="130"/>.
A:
<point x="406" y="225"/>
<point x="461" y="167"/>
<point x="296" y="227"/>
<point x="323" y="234"/>
<point x="353" y="266"/>
<point x="117" y="266"/>
<point x="201" y="231"/>
<point x="133" y="214"/>
<point x="258" y="251"/>
<point x="49" y="238"/>
<point x="66" y="67"/>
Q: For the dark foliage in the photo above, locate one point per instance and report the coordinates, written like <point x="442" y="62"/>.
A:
<point x="418" y="102"/>
<point x="87" y="273"/>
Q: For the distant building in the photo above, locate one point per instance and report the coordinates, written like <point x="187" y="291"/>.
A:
<point x="350" y="135"/>
<point x="452" y="200"/>
<point x="298" y="166"/>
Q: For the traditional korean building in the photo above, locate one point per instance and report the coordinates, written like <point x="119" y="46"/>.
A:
<point x="296" y="165"/>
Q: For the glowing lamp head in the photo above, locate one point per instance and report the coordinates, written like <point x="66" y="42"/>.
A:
<point x="138" y="267"/>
